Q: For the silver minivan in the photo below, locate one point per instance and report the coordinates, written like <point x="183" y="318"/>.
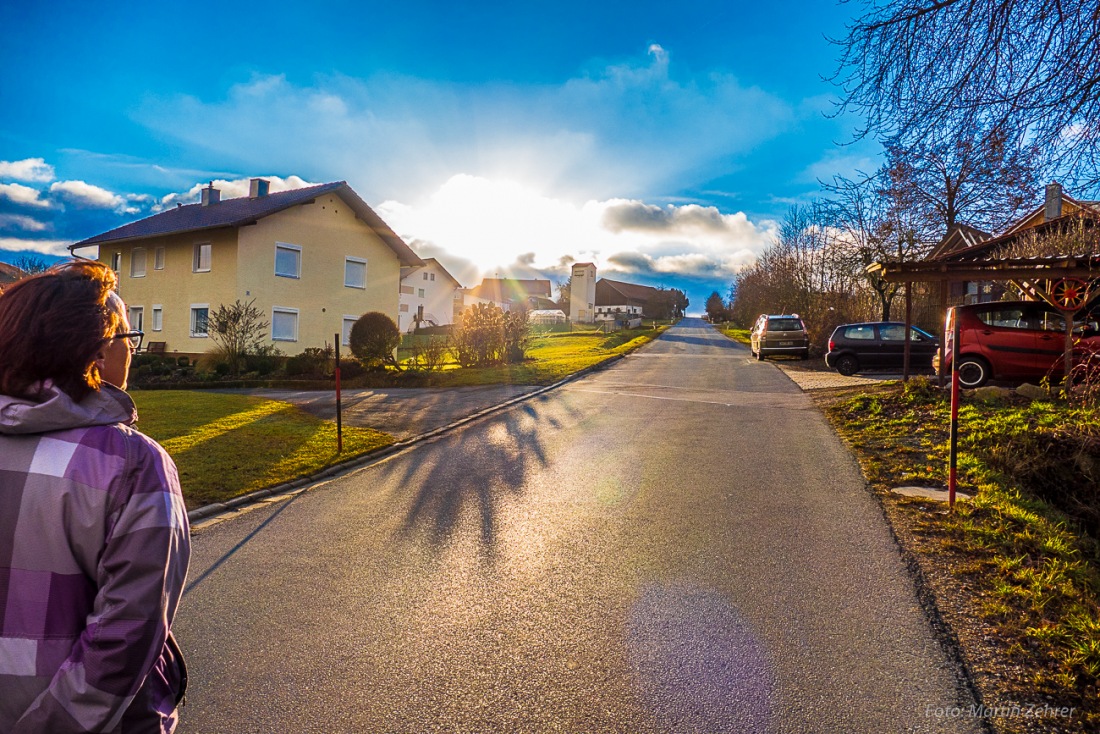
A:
<point x="779" y="334"/>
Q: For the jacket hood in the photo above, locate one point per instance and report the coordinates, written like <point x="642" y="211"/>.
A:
<point x="56" y="411"/>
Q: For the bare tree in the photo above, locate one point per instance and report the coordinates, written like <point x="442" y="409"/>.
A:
<point x="31" y="264"/>
<point x="983" y="180"/>
<point x="238" y="330"/>
<point x="915" y="69"/>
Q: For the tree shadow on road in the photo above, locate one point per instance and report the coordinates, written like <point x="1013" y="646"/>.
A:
<point x="456" y="485"/>
<point x="717" y="341"/>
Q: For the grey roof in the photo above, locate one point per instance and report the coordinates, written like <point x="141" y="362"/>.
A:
<point x="246" y="210"/>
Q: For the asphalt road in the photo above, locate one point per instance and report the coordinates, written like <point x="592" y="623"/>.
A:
<point x="676" y="544"/>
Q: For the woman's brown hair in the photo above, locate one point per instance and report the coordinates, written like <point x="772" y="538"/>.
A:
<point x="52" y="325"/>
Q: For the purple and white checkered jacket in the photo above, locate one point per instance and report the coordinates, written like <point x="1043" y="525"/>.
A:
<point x="94" y="549"/>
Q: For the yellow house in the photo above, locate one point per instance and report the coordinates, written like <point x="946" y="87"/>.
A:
<point x="312" y="259"/>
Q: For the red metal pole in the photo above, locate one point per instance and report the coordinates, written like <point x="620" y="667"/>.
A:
<point x="339" y="417"/>
<point x="952" y="476"/>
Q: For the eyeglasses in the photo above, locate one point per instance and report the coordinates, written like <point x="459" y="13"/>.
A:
<point x="134" y="337"/>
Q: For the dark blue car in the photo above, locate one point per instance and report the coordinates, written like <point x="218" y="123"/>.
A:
<point x="880" y="344"/>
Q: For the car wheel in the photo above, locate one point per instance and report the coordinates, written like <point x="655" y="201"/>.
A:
<point x="973" y="372"/>
<point x="805" y="354"/>
<point x="847" y="365"/>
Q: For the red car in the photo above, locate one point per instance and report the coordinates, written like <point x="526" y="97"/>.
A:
<point x="1014" y="340"/>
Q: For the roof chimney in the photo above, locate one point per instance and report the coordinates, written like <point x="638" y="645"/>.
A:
<point x="211" y="195"/>
<point x="1054" y="202"/>
<point x="258" y="187"/>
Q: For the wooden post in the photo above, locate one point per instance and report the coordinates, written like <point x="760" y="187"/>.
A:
<point x="339" y="411"/>
<point x="952" y="473"/>
<point x="908" y="331"/>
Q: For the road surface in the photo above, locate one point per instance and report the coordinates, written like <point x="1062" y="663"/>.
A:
<point x="676" y="544"/>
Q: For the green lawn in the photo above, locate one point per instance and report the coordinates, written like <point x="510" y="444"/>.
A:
<point x="550" y="357"/>
<point x="229" y="445"/>
<point x="1026" y="545"/>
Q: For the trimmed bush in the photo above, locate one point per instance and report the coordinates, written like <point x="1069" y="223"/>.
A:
<point x="373" y="339"/>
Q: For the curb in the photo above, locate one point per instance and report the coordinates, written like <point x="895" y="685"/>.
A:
<point x="219" y="508"/>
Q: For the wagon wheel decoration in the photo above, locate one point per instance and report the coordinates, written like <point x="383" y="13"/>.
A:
<point x="1069" y="294"/>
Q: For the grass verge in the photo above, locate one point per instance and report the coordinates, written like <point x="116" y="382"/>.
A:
<point x="550" y="357"/>
<point x="228" y="445"/>
<point x="1016" y="570"/>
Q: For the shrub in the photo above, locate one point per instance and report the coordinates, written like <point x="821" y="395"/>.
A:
<point x="479" y="335"/>
<point x="312" y="362"/>
<point x="431" y="353"/>
<point x="237" y="330"/>
<point x="350" y="369"/>
<point x="266" y="360"/>
<point x="373" y="339"/>
<point x="517" y="336"/>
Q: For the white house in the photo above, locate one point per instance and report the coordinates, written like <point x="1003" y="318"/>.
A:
<point x="428" y="294"/>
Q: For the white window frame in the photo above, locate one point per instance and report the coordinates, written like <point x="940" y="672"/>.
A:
<point x="135" y="260"/>
<point x="420" y="293"/>
<point x="298" y="260"/>
<point x="158" y="317"/>
<point x="158" y="258"/>
<point x="136" y="316"/>
<point x="191" y="324"/>
<point x="345" y="331"/>
<point x="360" y="261"/>
<point x="196" y="260"/>
<point x="284" y="310"/>
<point x="116" y="261"/>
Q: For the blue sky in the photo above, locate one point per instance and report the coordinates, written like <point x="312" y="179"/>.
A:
<point x="662" y="141"/>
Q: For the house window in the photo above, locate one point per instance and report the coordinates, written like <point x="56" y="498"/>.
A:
<point x="137" y="263"/>
<point x="137" y="318"/>
<point x="433" y="276"/>
<point x="200" y="318"/>
<point x="201" y="263"/>
<point x="407" y="290"/>
<point x="425" y="276"/>
<point x="355" y="272"/>
<point x="158" y="318"/>
<point x="116" y="261"/>
<point x="420" y="292"/>
<point x="284" y="324"/>
<point x="349" y="321"/>
<point x="403" y="308"/>
<point x="288" y="260"/>
<point x="158" y="259"/>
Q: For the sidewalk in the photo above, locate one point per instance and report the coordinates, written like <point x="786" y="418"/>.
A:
<point x="401" y="412"/>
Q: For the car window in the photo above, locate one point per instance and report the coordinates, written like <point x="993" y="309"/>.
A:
<point x="919" y="333"/>
<point x="859" y="332"/>
<point x="784" y="325"/>
<point x="1005" y="318"/>
<point x="1051" y="321"/>
<point x="892" y="332"/>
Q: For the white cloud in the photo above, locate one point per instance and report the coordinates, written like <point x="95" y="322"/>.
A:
<point x="43" y="247"/>
<point x="623" y="130"/>
<point x="21" y="194"/>
<point x="26" y="224"/>
<point x="475" y="224"/>
<point x="231" y="189"/>
<point x="34" y="170"/>
<point x="86" y="194"/>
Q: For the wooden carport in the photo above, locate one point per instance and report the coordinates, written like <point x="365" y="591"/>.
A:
<point x="1067" y="283"/>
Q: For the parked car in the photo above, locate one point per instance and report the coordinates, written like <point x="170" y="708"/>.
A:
<point x="1013" y="340"/>
<point x="854" y="347"/>
<point x="779" y="334"/>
